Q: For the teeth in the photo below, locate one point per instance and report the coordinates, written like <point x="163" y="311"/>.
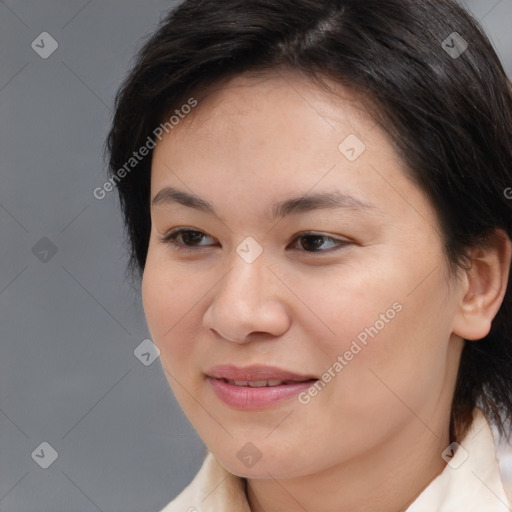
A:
<point x="256" y="383"/>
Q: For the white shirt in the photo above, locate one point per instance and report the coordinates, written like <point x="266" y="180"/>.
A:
<point x="470" y="482"/>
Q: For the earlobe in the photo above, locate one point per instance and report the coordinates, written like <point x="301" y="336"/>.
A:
<point x="485" y="284"/>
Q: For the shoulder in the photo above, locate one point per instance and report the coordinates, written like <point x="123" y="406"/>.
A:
<point x="471" y="479"/>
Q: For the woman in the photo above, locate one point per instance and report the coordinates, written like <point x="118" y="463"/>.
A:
<point x="317" y="197"/>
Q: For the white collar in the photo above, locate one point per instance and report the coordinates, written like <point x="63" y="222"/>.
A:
<point x="474" y="486"/>
<point x="471" y="481"/>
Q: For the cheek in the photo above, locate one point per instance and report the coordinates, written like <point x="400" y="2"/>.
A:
<point x="395" y="354"/>
<point x="381" y="326"/>
<point x="169" y="298"/>
<point x="353" y="304"/>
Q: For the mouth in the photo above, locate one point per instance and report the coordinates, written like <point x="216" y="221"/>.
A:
<point x="256" y="387"/>
<point x="263" y="383"/>
<point x="257" y="374"/>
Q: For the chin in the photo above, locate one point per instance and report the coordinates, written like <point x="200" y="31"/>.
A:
<point x="280" y="467"/>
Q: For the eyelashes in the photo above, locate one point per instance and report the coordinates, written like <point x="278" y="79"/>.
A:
<point x="171" y="238"/>
<point x="179" y="239"/>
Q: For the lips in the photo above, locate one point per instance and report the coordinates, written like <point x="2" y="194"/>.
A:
<point x="256" y="387"/>
<point x="256" y="374"/>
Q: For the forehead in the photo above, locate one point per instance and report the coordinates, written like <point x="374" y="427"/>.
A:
<point x="278" y="96"/>
<point x="268" y="122"/>
<point x="277" y="136"/>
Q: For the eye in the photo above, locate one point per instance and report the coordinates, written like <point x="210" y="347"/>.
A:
<point x="313" y="242"/>
<point x="181" y="238"/>
<point x="187" y="239"/>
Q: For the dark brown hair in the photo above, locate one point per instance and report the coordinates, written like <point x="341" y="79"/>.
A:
<point x="431" y="79"/>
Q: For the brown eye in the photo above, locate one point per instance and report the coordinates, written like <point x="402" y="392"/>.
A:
<point x="190" y="237"/>
<point x="317" y="243"/>
<point x="185" y="239"/>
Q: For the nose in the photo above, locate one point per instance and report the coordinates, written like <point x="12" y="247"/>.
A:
<point x="249" y="300"/>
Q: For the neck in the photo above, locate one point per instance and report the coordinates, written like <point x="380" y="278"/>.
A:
<point x="387" y="478"/>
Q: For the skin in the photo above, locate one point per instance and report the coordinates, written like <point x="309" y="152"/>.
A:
<point x="372" y="438"/>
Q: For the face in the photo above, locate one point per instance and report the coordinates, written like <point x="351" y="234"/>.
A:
<point x="308" y="263"/>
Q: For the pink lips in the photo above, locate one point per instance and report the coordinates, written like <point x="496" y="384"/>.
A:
<point x="244" y="396"/>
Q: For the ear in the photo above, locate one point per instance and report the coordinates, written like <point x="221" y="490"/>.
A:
<point x="484" y="285"/>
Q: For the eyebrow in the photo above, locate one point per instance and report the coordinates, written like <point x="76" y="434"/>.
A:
<point x="294" y="205"/>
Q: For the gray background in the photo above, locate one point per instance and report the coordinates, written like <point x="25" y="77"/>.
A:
<point x="69" y="321"/>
